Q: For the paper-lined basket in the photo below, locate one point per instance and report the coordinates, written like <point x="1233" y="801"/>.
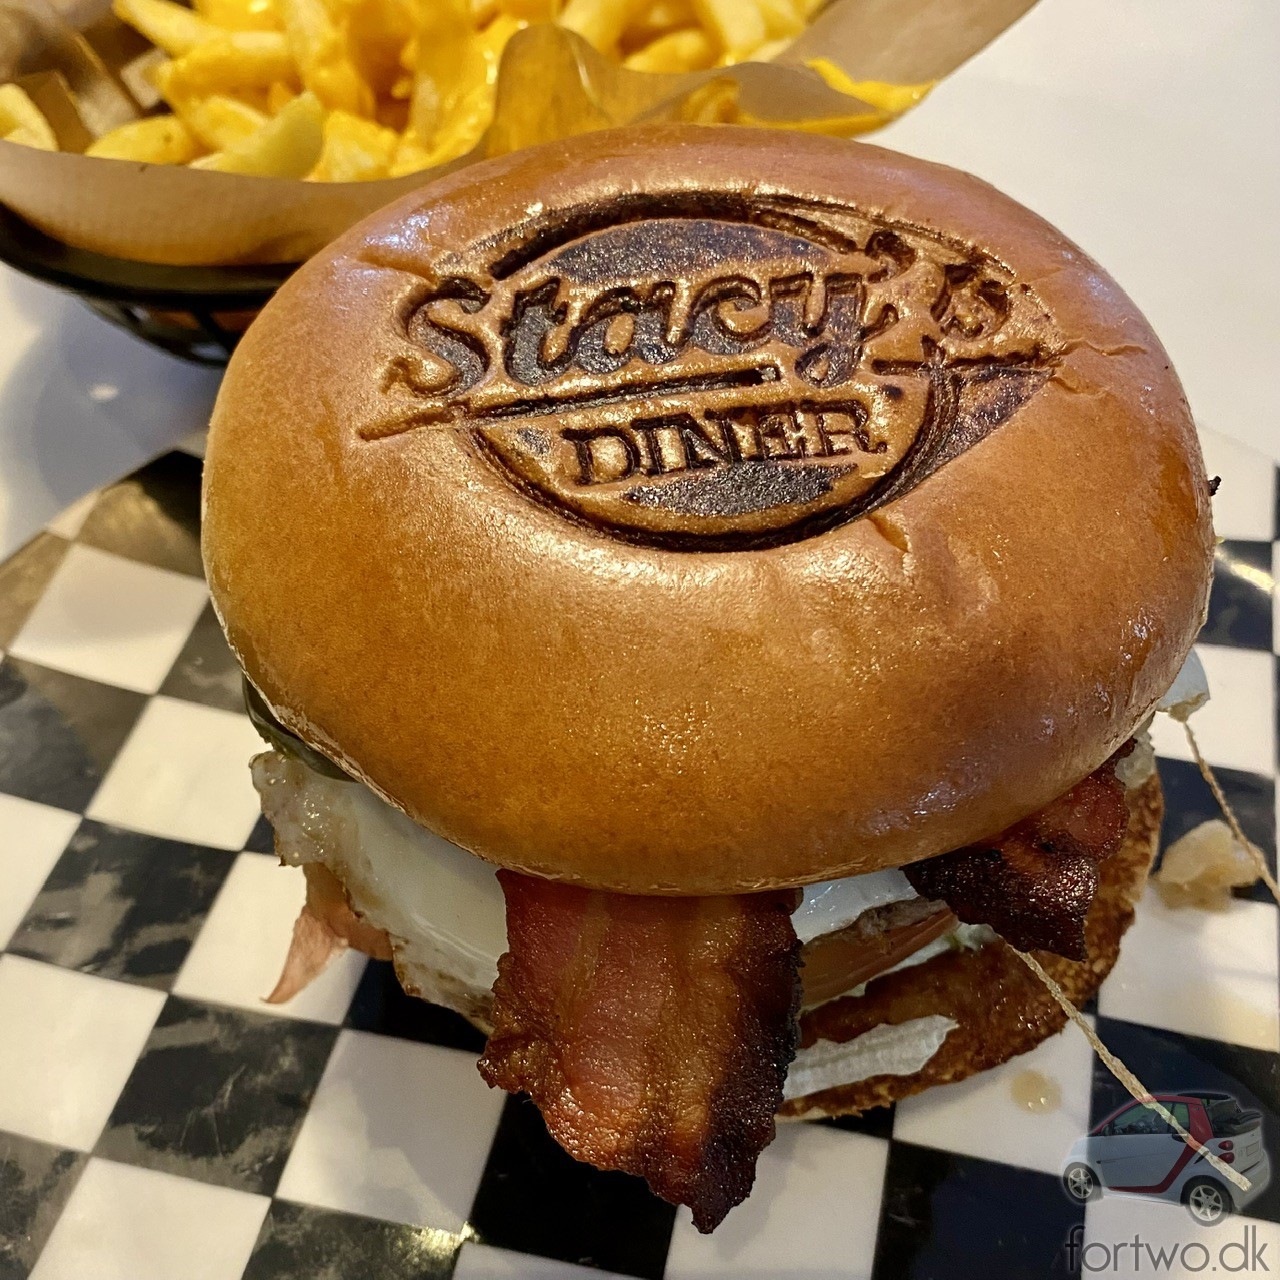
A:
<point x="856" y="67"/>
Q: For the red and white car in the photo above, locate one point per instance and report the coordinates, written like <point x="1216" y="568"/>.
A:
<point x="1135" y="1152"/>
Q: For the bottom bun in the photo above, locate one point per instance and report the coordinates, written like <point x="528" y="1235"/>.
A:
<point x="998" y="1005"/>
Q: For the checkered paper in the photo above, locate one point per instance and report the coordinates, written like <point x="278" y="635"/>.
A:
<point x="158" y="1122"/>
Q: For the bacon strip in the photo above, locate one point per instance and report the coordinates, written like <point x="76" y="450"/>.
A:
<point x="311" y="949"/>
<point x="326" y="926"/>
<point x="654" y="1034"/>
<point x="327" y="900"/>
<point x="1034" y="883"/>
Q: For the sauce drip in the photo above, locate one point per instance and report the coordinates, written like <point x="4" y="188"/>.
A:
<point x="1036" y="1092"/>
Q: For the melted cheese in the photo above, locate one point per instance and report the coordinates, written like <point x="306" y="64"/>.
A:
<point x="1188" y="692"/>
<point x="893" y="1050"/>
<point x="834" y="904"/>
<point x="441" y="905"/>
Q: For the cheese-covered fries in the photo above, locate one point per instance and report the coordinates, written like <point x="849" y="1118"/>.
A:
<point x="347" y="90"/>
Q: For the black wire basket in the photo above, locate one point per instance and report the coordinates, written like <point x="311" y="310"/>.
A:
<point x="197" y="313"/>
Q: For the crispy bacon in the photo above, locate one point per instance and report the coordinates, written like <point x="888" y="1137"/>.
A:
<point x="654" y="1034"/>
<point x="1034" y="883"/>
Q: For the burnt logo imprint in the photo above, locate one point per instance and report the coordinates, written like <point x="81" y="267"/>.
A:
<point x="715" y="372"/>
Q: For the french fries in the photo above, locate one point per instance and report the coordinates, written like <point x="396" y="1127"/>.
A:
<point x="689" y="49"/>
<point x="601" y="23"/>
<point x="220" y="121"/>
<point x="352" y="90"/>
<point x="240" y="63"/>
<point x="238" y="15"/>
<point x="738" y="27"/>
<point x="354" y="150"/>
<point x="319" y="47"/>
<point x="171" y="27"/>
<point x="153" y="140"/>
<point x="288" y="145"/>
<point x="22" y="121"/>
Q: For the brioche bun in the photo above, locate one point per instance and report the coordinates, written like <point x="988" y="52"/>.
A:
<point x="702" y="510"/>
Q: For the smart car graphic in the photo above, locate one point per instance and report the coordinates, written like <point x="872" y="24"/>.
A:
<point x="1135" y="1152"/>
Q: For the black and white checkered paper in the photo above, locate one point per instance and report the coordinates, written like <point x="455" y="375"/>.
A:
<point x="159" y="1122"/>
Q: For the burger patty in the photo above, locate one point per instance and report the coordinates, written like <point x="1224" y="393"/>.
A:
<point x="875" y="942"/>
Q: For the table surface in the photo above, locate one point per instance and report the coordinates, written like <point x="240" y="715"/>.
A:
<point x="159" y="1122"/>
<point x="1146" y="129"/>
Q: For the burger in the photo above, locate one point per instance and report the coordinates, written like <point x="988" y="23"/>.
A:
<point x="704" y="591"/>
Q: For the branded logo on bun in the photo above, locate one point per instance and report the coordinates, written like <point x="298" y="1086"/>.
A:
<point x="712" y="382"/>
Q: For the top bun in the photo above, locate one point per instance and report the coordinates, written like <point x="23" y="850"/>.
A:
<point x="700" y="510"/>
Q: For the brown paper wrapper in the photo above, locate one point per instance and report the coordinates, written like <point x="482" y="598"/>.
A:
<point x="551" y="84"/>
